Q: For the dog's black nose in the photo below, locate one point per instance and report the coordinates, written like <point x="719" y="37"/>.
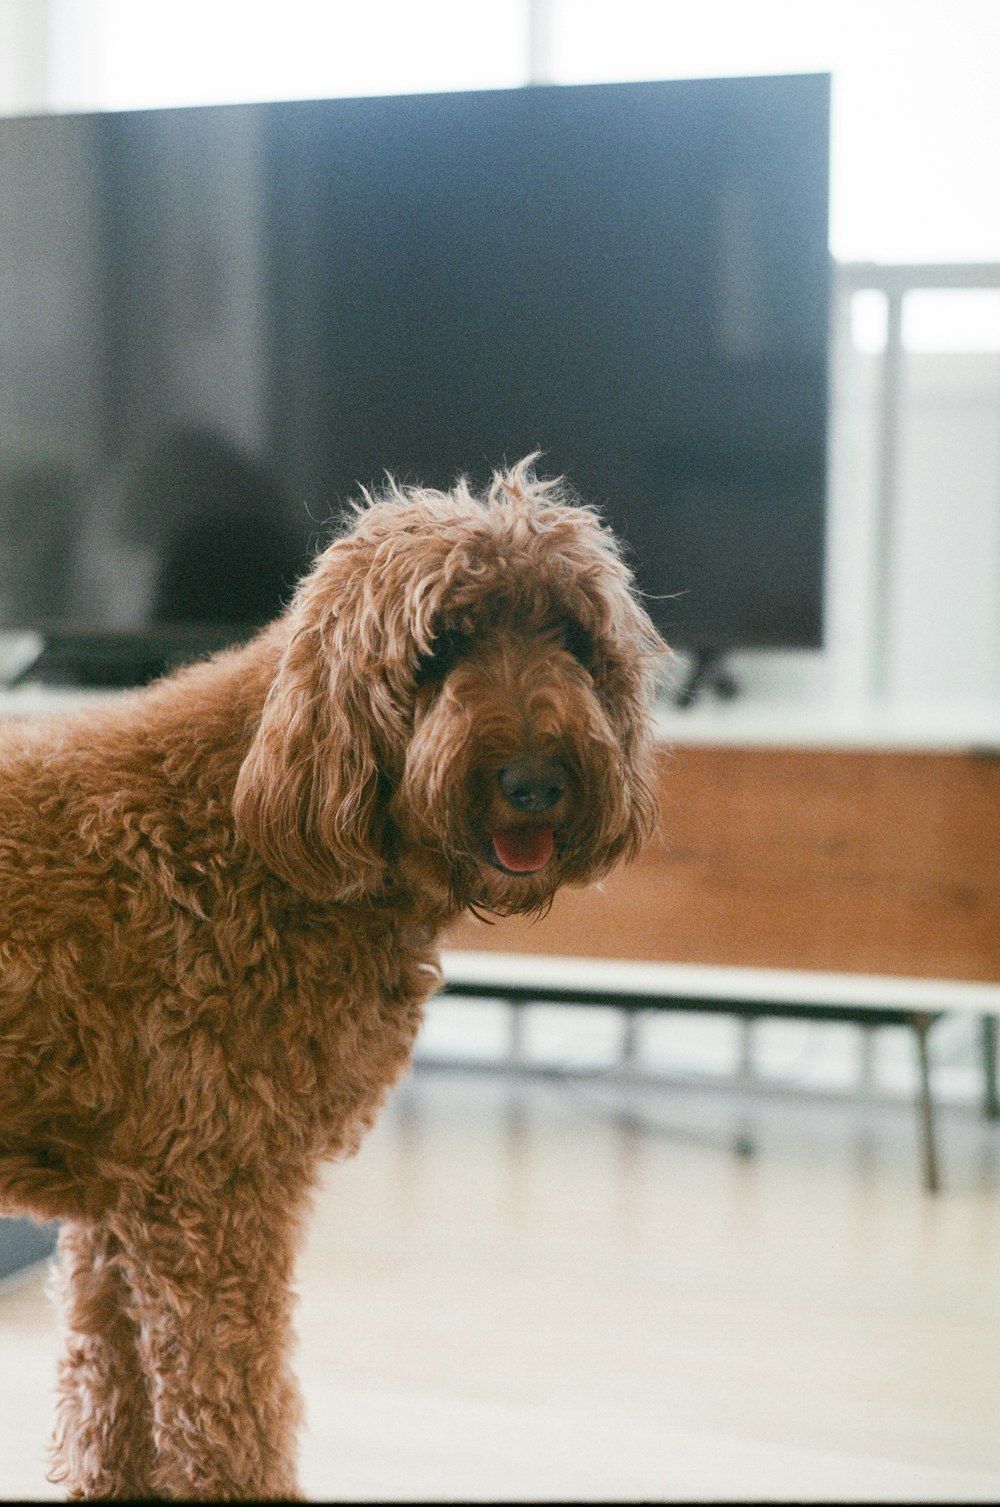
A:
<point x="533" y="784"/>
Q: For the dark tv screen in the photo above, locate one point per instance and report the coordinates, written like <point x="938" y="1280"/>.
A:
<point x="218" y="323"/>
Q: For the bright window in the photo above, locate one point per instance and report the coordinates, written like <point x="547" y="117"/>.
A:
<point x="916" y="103"/>
<point x="132" y="54"/>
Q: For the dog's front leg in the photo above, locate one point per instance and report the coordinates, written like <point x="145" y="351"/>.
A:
<point x="103" y="1444"/>
<point x="211" y="1291"/>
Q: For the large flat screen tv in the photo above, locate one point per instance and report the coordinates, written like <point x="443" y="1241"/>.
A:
<point x="217" y="323"/>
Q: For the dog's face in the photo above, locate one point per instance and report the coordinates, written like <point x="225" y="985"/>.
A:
<point x="464" y="697"/>
<point x="525" y="769"/>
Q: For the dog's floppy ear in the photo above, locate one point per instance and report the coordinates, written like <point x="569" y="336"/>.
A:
<point x="309" y="794"/>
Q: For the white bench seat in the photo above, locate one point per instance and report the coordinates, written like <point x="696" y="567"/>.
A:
<point x="863" y="999"/>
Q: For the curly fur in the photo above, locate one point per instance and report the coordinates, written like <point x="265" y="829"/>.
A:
<point x="220" y="899"/>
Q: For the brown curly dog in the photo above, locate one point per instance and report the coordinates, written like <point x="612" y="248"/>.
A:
<point x="220" y="898"/>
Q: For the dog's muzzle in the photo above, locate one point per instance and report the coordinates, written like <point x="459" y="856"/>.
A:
<point x="531" y="787"/>
<point x="533" y="784"/>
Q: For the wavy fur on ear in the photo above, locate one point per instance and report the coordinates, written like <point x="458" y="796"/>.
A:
<point x="309" y="793"/>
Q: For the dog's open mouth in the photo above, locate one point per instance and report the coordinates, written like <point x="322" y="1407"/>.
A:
<point x="523" y="850"/>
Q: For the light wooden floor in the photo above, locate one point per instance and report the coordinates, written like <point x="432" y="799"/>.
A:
<point x="511" y="1294"/>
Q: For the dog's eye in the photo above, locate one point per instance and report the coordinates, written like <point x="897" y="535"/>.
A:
<point x="446" y="650"/>
<point x="578" y="642"/>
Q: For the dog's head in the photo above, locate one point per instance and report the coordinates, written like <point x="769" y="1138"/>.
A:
<point x="464" y="697"/>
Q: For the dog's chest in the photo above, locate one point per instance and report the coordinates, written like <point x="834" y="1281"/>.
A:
<point x="324" y="1022"/>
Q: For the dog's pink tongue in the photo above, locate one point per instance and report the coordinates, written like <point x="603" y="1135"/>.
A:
<point x="525" y="851"/>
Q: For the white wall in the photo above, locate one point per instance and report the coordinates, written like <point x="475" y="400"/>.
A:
<point x="24" y="55"/>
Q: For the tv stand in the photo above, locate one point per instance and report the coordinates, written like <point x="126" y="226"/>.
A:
<point x="707" y="673"/>
<point x="815" y="881"/>
<point x="117" y="659"/>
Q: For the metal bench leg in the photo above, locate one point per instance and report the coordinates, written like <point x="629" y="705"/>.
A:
<point x="991" y="1094"/>
<point x="866" y="1062"/>
<point x="516" y="1055"/>
<point x="630" y="1039"/>
<point x="745" y="1062"/>
<point x="932" y="1181"/>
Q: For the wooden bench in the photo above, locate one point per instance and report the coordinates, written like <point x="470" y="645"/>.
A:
<point x="807" y="870"/>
